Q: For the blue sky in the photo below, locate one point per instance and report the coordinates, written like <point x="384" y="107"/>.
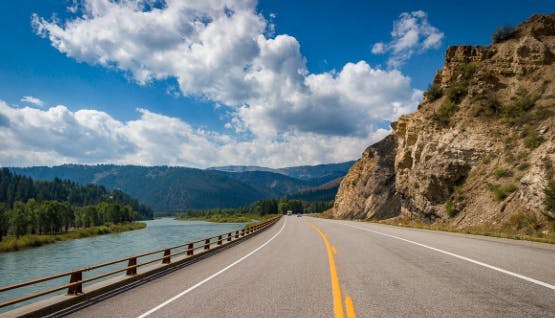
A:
<point x="279" y="86"/>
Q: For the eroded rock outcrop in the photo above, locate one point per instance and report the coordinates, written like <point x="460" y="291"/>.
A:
<point x="368" y="189"/>
<point x="480" y="148"/>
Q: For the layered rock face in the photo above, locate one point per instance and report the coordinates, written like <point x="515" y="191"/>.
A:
<point x="368" y="189"/>
<point x="480" y="147"/>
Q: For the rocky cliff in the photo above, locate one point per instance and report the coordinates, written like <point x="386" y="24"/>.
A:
<point x="480" y="148"/>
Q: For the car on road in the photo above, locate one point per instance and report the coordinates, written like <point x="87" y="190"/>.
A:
<point x="299" y="215"/>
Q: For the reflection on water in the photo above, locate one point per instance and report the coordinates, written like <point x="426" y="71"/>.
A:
<point x="50" y="259"/>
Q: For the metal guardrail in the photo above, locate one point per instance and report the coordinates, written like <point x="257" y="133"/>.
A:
<point x="76" y="281"/>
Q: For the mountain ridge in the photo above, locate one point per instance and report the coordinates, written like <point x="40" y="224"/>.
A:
<point x="174" y="189"/>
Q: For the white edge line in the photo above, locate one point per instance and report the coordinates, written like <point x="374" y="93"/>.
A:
<point x="501" y="270"/>
<point x="211" y="276"/>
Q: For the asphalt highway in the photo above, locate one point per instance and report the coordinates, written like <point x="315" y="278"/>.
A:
<point x="309" y="267"/>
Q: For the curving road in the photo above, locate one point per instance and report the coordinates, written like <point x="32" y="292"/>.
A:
<point x="308" y="267"/>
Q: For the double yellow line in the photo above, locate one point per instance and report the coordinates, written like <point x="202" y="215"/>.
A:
<point x="335" y="286"/>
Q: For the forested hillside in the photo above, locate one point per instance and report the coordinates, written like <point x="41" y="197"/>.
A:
<point x="176" y="189"/>
<point x="15" y="188"/>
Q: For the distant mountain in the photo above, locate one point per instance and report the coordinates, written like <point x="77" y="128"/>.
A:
<point x="243" y="169"/>
<point x="271" y="184"/>
<point x="324" y="192"/>
<point x="317" y="174"/>
<point x="172" y="189"/>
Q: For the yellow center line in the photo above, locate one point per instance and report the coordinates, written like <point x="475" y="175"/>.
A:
<point x="336" y="290"/>
<point x="350" y="308"/>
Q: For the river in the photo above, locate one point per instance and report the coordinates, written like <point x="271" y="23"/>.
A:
<point x="50" y="259"/>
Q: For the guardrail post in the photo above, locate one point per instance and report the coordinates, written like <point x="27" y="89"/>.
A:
<point x="190" y="249"/>
<point x="78" y="288"/>
<point x="236" y="234"/>
<point x="132" y="262"/>
<point x="166" y="259"/>
<point x="220" y="240"/>
<point x="243" y="232"/>
<point x="229" y="237"/>
<point x="207" y="244"/>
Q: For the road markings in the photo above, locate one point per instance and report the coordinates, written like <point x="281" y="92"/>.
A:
<point x="495" y="268"/>
<point x="183" y="293"/>
<point x="336" y="290"/>
<point x="350" y="308"/>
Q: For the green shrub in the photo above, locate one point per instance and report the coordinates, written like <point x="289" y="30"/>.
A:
<point x="509" y="143"/>
<point x="492" y="106"/>
<point x="550" y="196"/>
<point x="466" y="71"/>
<point x="523" y="155"/>
<point x="543" y="113"/>
<point x="523" y="221"/>
<point x="517" y="112"/>
<point x="457" y="91"/>
<point x="446" y="110"/>
<point x="434" y="92"/>
<point x="502" y="173"/>
<point x="533" y="140"/>
<point x="450" y="209"/>
<point x="502" y="33"/>
<point x="510" y="188"/>
<point x="523" y="166"/>
<point x="500" y="193"/>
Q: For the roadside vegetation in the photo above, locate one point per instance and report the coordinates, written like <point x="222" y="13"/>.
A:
<point x="520" y="227"/>
<point x="34" y="240"/>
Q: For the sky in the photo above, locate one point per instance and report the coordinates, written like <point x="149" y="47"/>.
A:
<point x="222" y="82"/>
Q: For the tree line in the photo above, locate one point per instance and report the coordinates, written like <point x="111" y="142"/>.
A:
<point x="53" y="217"/>
<point x="264" y="207"/>
<point x="16" y="188"/>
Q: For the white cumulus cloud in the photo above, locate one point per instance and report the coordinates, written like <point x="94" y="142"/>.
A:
<point x="32" y="100"/>
<point x="225" y="51"/>
<point x="411" y="34"/>
<point x="30" y="136"/>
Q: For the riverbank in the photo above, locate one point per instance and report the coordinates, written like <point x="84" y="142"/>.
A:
<point x="10" y="244"/>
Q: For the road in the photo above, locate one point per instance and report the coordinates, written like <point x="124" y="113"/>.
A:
<point x="309" y="267"/>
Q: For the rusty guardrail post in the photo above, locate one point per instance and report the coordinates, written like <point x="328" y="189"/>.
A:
<point x="207" y="244"/>
<point x="220" y="239"/>
<point x="229" y="237"/>
<point x="132" y="262"/>
<point x="167" y="256"/>
<point x="190" y="249"/>
<point x="236" y="234"/>
<point x="75" y="289"/>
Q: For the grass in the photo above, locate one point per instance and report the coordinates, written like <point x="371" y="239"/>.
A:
<point x="11" y="243"/>
<point x="520" y="227"/>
